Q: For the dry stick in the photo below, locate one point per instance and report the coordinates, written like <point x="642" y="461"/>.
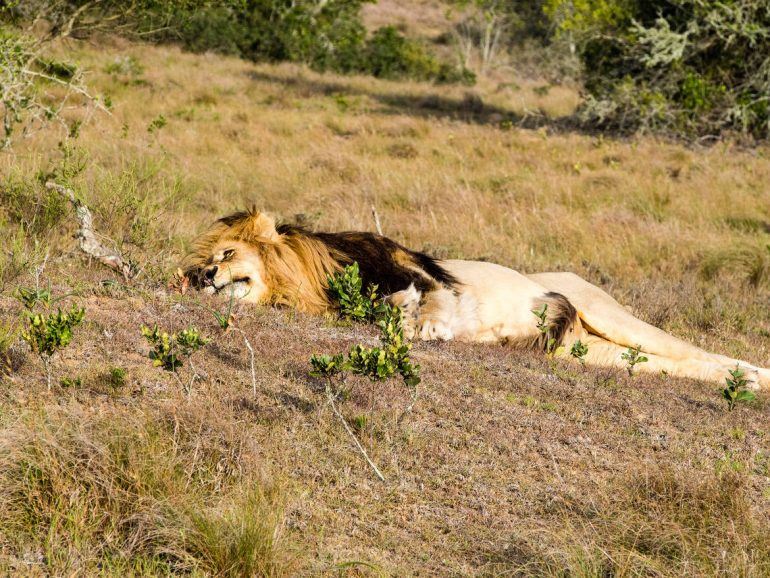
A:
<point x="251" y="353"/>
<point x="376" y="220"/>
<point x="555" y="465"/>
<point x="361" y="448"/>
<point x="409" y="407"/>
<point x="47" y="365"/>
<point x="89" y="244"/>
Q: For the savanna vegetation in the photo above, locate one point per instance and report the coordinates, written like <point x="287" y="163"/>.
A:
<point x="147" y="432"/>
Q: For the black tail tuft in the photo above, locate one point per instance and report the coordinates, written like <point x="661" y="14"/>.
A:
<point x="561" y="317"/>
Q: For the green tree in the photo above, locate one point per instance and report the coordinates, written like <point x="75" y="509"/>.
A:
<point x="691" y="68"/>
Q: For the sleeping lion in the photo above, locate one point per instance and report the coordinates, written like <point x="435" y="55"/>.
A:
<point x="248" y="255"/>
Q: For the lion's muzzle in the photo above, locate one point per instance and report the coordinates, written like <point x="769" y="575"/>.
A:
<point x="208" y="275"/>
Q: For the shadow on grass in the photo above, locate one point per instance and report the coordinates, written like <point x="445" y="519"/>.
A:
<point x="433" y="105"/>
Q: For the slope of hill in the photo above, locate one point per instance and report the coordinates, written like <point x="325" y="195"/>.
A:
<point x="510" y="463"/>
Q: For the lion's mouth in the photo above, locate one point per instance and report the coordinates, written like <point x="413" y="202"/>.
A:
<point x="239" y="286"/>
<point x="236" y="281"/>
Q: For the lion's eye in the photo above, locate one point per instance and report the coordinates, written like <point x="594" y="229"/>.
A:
<point x="227" y="255"/>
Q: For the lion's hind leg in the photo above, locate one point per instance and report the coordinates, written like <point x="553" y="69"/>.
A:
<point x="602" y="352"/>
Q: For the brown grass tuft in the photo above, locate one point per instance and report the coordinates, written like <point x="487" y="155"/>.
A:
<point x="649" y="523"/>
<point x="82" y="489"/>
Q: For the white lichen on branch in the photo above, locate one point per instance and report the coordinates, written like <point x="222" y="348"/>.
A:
<point x="89" y="242"/>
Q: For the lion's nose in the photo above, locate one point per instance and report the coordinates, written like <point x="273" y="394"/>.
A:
<point x="210" y="273"/>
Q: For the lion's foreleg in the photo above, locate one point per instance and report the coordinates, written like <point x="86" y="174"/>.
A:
<point x="441" y="314"/>
<point x="408" y="302"/>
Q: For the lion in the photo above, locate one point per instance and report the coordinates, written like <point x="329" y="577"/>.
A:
<point x="248" y="255"/>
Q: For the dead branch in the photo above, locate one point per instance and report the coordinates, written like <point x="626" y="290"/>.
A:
<point x="251" y="353"/>
<point x="376" y="220"/>
<point x="338" y="413"/>
<point x="89" y="243"/>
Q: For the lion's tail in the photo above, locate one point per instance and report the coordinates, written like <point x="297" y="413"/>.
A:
<point x="562" y="325"/>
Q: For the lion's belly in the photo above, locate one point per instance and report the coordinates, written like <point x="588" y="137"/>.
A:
<point x="504" y="299"/>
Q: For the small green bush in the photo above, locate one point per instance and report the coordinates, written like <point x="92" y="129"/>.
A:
<point x="170" y="351"/>
<point x="736" y="388"/>
<point x="376" y="363"/>
<point x="389" y="54"/>
<point x="71" y="383"/>
<point x="579" y="350"/>
<point x="346" y="289"/>
<point x="544" y="327"/>
<point x="47" y="333"/>
<point x="116" y="377"/>
<point x="633" y="357"/>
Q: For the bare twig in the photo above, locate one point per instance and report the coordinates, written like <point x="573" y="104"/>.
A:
<point x="78" y="89"/>
<point x="195" y="375"/>
<point x="89" y="243"/>
<point x="47" y="365"/>
<point x="376" y="220"/>
<point x="251" y="353"/>
<point x="408" y="409"/>
<point x="360" y="447"/>
<point x="555" y="465"/>
<point x="39" y="270"/>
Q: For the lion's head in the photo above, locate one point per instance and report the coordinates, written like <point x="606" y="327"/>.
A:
<point x="237" y="267"/>
<point x="246" y="254"/>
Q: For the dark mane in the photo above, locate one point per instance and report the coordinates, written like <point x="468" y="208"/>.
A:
<point x="381" y="261"/>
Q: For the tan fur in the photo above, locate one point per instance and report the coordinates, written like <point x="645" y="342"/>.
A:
<point x="505" y="300"/>
<point x="292" y="270"/>
<point x="485" y="303"/>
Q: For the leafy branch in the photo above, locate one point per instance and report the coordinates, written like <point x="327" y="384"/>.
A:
<point x="47" y="333"/>
<point x="736" y="388"/>
<point x="169" y="352"/>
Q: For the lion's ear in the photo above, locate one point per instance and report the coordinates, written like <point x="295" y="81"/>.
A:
<point x="259" y="225"/>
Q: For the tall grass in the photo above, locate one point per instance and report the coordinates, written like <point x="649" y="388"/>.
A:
<point x="649" y="523"/>
<point x="122" y="491"/>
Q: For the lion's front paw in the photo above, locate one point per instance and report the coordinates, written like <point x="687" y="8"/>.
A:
<point x="431" y="329"/>
<point x="409" y="328"/>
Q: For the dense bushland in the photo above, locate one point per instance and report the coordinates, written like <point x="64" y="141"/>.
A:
<point x="324" y="34"/>
<point x="691" y="68"/>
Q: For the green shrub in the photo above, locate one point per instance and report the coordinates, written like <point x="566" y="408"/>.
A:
<point x="116" y="377"/>
<point x="47" y="333"/>
<point x="326" y="35"/>
<point x="346" y="289"/>
<point x="376" y="363"/>
<point x="633" y="357"/>
<point x="690" y="68"/>
<point x="170" y="351"/>
<point x="579" y="350"/>
<point x="736" y="388"/>
<point x="389" y="54"/>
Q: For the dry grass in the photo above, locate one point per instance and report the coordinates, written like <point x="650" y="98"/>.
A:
<point x="510" y="464"/>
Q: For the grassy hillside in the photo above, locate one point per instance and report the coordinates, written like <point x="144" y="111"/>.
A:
<point x="510" y="464"/>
